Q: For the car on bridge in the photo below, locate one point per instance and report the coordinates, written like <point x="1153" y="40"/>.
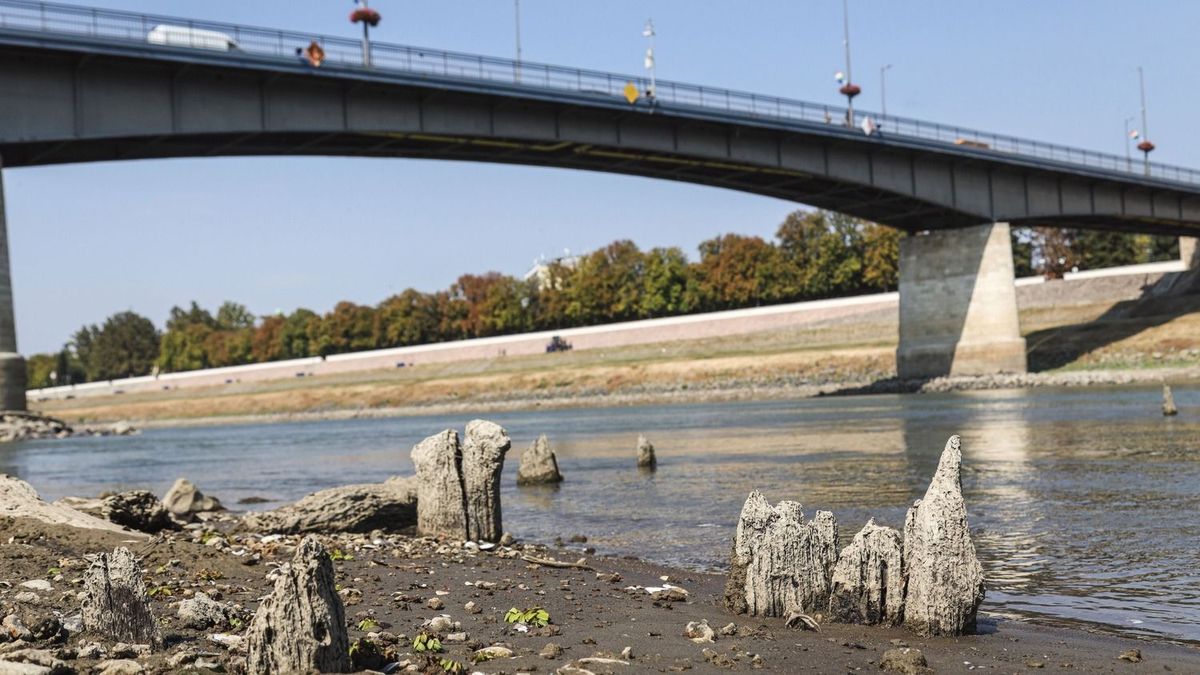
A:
<point x="194" y="38"/>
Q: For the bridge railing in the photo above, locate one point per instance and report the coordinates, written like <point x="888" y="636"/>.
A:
<point x="260" y="43"/>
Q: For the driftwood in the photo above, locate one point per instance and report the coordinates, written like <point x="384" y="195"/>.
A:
<point x="781" y="563"/>
<point x="1168" y="406"/>
<point x="580" y="564"/>
<point x="301" y="626"/>
<point x="944" y="578"/>
<point x="458" y="486"/>
<point x="868" y="581"/>
<point x="115" y="607"/>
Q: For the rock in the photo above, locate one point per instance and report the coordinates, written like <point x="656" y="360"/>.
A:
<point x="780" y="564"/>
<point x="184" y="500"/>
<point x="494" y="652"/>
<point x="19" y="500"/>
<point x="645" y="454"/>
<point x="699" y="631"/>
<point x="119" y="667"/>
<point x="482" y="462"/>
<point x="390" y="507"/>
<point x="37" y="585"/>
<point x="48" y="629"/>
<point x="944" y="578"/>
<point x="301" y="626"/>
<point x="1168" y="406"/>
<point x="458" y="487"/>
<point x="138" y="510"/>
<point x="905" y="660"/>
<point x="22" y="426"/>
<point x="122" y="428"/>
<point x="539" y="466"/>
<point x="551" y="651"/>
<point x="14" y="629"/>
<point x="435" y="604"/>
<point x="201" y="612"/>
<point x="868" y="580"/>
<point x="13" y="668"/>
<point x="115" y="607"/>
<point x="729" y="629"/>
<point x="28" y="598"/>
<point x="1131" y="655"/>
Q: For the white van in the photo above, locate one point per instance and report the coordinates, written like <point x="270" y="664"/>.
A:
<point x="196" y="38"/>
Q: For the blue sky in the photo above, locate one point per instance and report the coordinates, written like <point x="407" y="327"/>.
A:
<point x="276" y="233"/>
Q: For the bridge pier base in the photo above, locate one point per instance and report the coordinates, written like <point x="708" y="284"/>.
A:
<point x="1189" y="252"/>
<point x="958" y="304"/>
<point x="12" y="365"/>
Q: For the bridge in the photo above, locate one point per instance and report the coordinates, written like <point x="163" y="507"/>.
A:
<point x="84" y="85"/>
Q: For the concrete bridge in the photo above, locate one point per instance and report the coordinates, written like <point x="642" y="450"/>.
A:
<point x="83" y="85"/>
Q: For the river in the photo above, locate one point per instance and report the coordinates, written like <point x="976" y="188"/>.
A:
<point x="1084" y="503"/>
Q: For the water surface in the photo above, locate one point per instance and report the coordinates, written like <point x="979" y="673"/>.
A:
<point x="1084" y="504"/>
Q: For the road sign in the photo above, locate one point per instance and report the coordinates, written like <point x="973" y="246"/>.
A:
<point x="631" y="92"/>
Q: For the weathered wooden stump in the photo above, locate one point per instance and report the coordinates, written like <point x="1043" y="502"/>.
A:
<point x="1168" y="406"/>
<point x="868" y="580"/>
<point x="780" y="563"/>
<point x="645" y="454"/>
<point x="115" y="607"/>
<point x="944" y="578"/>
<point x="458" y="490"/>
<point x="539" y="466"/>
<point x="301" y="626"/>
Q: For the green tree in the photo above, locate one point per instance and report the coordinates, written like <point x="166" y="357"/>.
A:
<point x="184" y="347"/>
<point x="408" y="318"/>
<point x="1023" y="251"/>
<point x="234" y="316"/>
<point x="738" y="271"/>
<point x="348" y="328"/>
<point x="266" y="344"/>
<point x="295" y="340"/>
<point x="38" y="369"/>
<point x="605" y="285"/>
<point x="1095" y="249"/>
<point x="126" y="345"/>
<point x="880" y="257"/>
<point x="823" y="251"/>
<point x="664" y="284"/>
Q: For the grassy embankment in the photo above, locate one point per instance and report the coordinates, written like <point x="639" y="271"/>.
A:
<point x="793" y="362"/>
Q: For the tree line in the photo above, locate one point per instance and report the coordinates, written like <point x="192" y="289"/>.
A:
<point x="814" y="254"/>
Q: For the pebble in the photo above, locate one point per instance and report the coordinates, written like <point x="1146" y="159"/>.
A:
<point x="472" y="608"/>
<point x="435" y="603"/>
<point x="1131" y="655"/>
<point x="456" y="637"/>
<point x="551" y="651"/>
<point x="37" y="585"/>
<point x="119" y="667"/>
<point x="729" y="629"/>
<point x="700" y="632"/>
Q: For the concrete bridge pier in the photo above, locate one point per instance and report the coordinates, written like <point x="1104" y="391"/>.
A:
<point x="12" y="366"/>
<point x="958" y="304"/>
<point x="1190" y="252"/>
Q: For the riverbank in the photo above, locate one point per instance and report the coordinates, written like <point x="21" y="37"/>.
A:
<point x="392" y="583"/>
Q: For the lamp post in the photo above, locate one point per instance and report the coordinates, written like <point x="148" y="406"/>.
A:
<point x="883" y="89"/>
<point x="517" y="19"/>
<point x="1145" y="146"/>
<point x="848" y="89"/>
<point x="1129" y="135"/>
<point x="368" y="18"/>
<point x="648" y="32"/>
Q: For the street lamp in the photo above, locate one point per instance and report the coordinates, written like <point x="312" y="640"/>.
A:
<point x="517" y="19"/>
<point x="1145" y="146"/>
<point x="848" y="89"/>
<point x="883" y="89"/>
<point x="1129" y="135"/>
<point x="368" y="18"/>
<point x="648" y="32"/>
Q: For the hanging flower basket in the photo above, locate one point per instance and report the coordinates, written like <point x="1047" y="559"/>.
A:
<point x="1145" y="146"/>
<point x="850" y="90"/>
<point x="365" y="15"/>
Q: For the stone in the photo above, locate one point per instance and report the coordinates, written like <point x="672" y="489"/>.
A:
<point x="18" y="499"/>
<point x="944" y="578"/>
<point x="184" y="500"/>
<point x="115" y="607"/>
<point x="201" y="612"/>
<point x="868" y="579"/>
<point x="458" y="486"/>
<point x="906" y="661"/>
<point x="539" y="465"/>
<point x="780" y="564"/>
<point x="645" y="454"/>
<point x="551" y="651"/>
<point x="14" y="668"/>
<point x="37" y="585"/>
<point x="1168" y="405"/>
<point x="119" y="667"/>
<point x="15" y="629"/>
<point x="16" y="425"/>
<point x="494" y="652"/>
<point x="301" y="626"/>
<point x="699" y="632"/>
<point x="40" y="658"/>
<point x="137" y="509"/>
<point x="388" y="507"/>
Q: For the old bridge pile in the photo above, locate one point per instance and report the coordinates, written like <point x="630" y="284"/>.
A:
<point x="931" y="581"/>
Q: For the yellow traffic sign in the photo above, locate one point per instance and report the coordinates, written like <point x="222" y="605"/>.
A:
<point x="631" y="92"/>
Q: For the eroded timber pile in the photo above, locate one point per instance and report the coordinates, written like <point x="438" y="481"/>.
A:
<point x="458" y="484"/>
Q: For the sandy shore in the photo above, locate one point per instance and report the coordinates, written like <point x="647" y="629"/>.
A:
<point x="389" y="582"/>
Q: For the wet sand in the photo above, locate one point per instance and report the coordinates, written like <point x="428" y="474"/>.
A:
<point x="391" y="580"/>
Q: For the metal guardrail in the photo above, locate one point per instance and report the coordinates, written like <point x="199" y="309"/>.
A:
<point x="128" y="27"/>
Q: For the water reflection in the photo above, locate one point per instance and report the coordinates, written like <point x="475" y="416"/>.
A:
<point x="1082" y="503"/>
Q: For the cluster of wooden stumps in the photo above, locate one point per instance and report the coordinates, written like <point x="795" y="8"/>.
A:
<point x="929" y="580"/>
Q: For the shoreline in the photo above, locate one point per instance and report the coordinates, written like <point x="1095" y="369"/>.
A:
<point x="393" y="584"/>
<point x="714" y="392"/>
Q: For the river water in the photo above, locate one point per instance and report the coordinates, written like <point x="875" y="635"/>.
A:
<point x="1084" y="504"/>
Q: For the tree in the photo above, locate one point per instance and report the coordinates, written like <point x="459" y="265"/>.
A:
<point x="295" y="340"/>
<point x="38" y="369"/>
<point x="266" y="344"/>
<point x="409" y="318"/>
<point x="1095" y="249"/>
<point x="125" y="346"/>
<point x="184" y="348"/>
<point x="881" y="257"/>
<point x="1054" y="251"/>
<point x="738" y="271"/>
<point x="234" y="316"/>
<point x="664" y="284"/>
<point x="824" y="253"/>
<point x="604" y="285"/>
<point x="348" y="328"/>
<point x="495" y="304"/>
<point x="1022" y="251"/>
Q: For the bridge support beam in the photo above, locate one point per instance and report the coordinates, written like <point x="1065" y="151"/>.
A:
<point x="12" y="366"/>
<point x="1190" y="252"/>
<point x="958" y="304"/>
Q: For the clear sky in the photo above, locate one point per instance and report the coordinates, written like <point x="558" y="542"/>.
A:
<point x="276" y="233"/>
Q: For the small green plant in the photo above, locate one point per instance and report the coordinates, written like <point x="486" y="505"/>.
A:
<point x="452" y="666"/>
<point x="338" y="554"/>
<point x="368" y="624"/>
<point x="235" y="623"/>
<point x="534" y="616"/>
<point x="161" y="569"/>
<point x="481" y="656"/>
<point x="160" y="591"/>
<point x="425" y="642"/>
<point x="53" y="572"/>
